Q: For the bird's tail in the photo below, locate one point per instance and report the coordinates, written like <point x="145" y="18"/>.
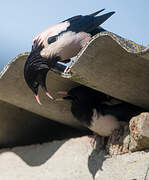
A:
<point x="101" y="19"/>
<point x="97" y="12"/>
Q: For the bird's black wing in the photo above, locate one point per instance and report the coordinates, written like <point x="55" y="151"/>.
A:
<point x="72" y="18"/>
<point x="87" y="23"/>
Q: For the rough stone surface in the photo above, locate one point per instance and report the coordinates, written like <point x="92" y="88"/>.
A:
<point x="131" y="137"/>
<point x="119" y="141"/>
<point x="71" y="159"/>
<point x="139" y="132"/>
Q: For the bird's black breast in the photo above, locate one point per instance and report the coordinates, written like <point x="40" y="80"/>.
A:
<point x="84" y="101"/>
<point x="82" y="113"/>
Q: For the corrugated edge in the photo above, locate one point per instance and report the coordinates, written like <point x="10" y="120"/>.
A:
<point x="11" y="62"/>
<point x="128" y="45"/>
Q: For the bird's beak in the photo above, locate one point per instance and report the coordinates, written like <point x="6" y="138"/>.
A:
<point x="47" y="93"/>
<point x="37" y="99"/>
<point x="61" y="93"/>
<point x="42" y="83"/>
<point x="66" y="97"/>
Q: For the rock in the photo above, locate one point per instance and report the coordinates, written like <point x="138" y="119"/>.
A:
<point x="118" y="143"/>
<point x="139" y="132"/>
<point x="130" y="138"/>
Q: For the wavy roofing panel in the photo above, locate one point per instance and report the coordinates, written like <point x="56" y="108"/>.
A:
<point x="108" y="63"/>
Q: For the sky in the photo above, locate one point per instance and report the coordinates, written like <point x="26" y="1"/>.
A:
<point x="21" y="20"/>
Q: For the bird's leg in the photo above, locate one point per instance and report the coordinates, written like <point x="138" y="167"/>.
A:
<point x="67" y="69"/>
<point x="93" y="140"/>
<point x="66" y="60"/>
<point x="62" y="70"/>
<point x="98" y="144"/>
<point x="58" y="68"/>
<point x="103" y="141"/>
<point x="67" y="72"/>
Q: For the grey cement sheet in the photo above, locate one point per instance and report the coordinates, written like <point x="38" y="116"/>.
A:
<point x="108" y="63"/>
<point x="115" y="66"/>
<point x="13" y="90"/>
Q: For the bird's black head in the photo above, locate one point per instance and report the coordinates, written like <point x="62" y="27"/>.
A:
<point x="85" y="95"/>
<point x="78" y="95"/>
<point x="82" y="103"/>
<point x="35" y="71"/>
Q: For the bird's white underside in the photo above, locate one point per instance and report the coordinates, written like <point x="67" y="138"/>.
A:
<point x="103" y="125"/>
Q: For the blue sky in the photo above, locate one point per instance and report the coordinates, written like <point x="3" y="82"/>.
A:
<point x="21" y="20"/>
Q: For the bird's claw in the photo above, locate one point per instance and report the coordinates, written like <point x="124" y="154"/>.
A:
<point x="97" y="142"/>
<point x="93" y="140"/>
<point x="37" y="99"/>
<point x="67" y="73"/>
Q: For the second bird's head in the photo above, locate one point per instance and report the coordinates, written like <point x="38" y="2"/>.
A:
<point x="36" y="69"/>
<point x="79" y="95"/>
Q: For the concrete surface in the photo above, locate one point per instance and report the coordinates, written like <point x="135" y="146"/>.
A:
<point x="74" y="159"/>
<point x="21" y="127"/>
<point x="14" y="90"/>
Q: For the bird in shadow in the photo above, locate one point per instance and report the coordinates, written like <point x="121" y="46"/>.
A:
<point x="92" y="109"/>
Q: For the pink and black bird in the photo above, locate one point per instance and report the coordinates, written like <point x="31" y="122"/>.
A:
<point x="92" y="109"/>
<point x="59" y="42"/>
